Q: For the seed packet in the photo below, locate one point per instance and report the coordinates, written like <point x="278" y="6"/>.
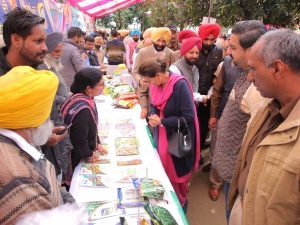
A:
<point x="125" y="130"/>
<point x="93" y="169"/>
<point x="124" y="121"/>
<point x="127" y="142"/>
<point x="128" y="160"/>
<point x="101" y="159"/>
<point x="151" y="188"/>
<point x="126" y="146"/>
<point x="103" y="130"/>
<point x="159" y="215"/>
<point x="103" y="122"/>
<point x="94" y="180"/>
<point x="128" y="198"/>
<point x="125" y="174"/>
<point x="102" y="209"/>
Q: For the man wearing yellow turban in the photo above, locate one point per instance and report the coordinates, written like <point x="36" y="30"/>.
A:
<point x="28" y="180"/>
<point x="160" y="37"/>
<point x="146" y="36"/>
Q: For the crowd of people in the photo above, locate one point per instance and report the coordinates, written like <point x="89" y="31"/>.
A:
<point x="241" y="90"/>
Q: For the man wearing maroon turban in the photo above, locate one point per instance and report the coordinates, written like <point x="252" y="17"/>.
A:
<point x="185" y="66"/>
<point x="184" y="34"/>
<point x="209" y="58"/>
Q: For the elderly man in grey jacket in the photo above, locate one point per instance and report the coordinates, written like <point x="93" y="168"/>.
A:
<point x="57" y="154"/>
<point x="71" y="59"/>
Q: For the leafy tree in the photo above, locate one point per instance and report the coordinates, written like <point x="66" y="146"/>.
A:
<point x="283" y="13"/>
<point x="121" y="19"/>
<point x="277" y="12"/>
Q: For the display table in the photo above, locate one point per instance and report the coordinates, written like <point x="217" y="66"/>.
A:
<point x="148" y="154"/>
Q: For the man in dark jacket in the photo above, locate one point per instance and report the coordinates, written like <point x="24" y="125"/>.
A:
<point x="71" y="59"/>
<point x="209" y="58"/>
<point x="91" y="59"/>
<point x="57" y="154"/>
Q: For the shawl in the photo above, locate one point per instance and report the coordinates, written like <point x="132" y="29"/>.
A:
<point x="76" y="103"/>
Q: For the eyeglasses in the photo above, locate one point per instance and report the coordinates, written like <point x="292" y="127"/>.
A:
<point x="101" y="85"/>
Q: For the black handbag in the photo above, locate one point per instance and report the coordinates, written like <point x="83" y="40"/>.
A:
<point x="180" y="143"/>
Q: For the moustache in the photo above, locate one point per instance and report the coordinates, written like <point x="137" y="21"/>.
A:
<point x="43" y="53"/>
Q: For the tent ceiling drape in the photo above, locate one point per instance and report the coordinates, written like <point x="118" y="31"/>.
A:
<point x="101" y="8"/>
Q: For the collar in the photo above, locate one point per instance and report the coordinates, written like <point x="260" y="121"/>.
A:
<point x="286" y="110"/>
<point x="46" y="63"/>
<point x="22" y="143"/>
<point x="245" y="71"/>
<point x="175" y="46"/>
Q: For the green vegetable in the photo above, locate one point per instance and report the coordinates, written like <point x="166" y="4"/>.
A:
<point x="159" y="215"/>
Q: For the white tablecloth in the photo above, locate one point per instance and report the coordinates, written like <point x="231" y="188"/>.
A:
<point x="148" y="155"/>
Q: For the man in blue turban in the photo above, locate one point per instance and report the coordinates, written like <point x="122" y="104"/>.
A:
<point x="130" y="48"/>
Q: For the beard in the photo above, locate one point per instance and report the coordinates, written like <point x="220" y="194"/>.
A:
<point x="158" y="47"/>
<point x="40" y="135"/>
<point x="173" y="39"/>
<point x="97" y="46"/>
<point x="135" y="39"/>
<point x="31" y="56"/>
<point x="190" y="61"/>
<point x="54" y="62"/>
<point x="206" y="47"/>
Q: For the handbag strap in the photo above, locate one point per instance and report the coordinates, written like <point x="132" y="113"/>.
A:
<point x="186" y="126"/>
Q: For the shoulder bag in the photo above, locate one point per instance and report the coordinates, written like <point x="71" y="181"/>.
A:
<point x="180" y="143"/>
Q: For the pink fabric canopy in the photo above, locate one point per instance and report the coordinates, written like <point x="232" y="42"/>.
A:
<point x="101" y="8"/>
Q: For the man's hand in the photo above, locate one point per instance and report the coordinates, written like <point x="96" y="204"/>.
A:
<point x="102" y="150"/>
<point x="204" y="100"/>
<point x="144" y="113"/>
<point x="143" y="83"/>
<point x="83" y="55"/>
<point x="102" y="66"/>
<point x="129" y="70"/>
<point x="212" y="123"/>
<point x="54" y="138"/>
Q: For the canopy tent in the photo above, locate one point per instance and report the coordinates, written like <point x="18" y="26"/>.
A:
<point x="101" y="8"/>
<point x="58" y="16"/>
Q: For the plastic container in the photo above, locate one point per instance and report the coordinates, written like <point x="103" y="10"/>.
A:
<point x="116" y="73"/>
<point x="126" y="78"/>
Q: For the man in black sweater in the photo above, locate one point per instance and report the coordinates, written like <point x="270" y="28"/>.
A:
<point x="209" y="58"/>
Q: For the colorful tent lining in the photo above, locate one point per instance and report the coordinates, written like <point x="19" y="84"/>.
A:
<point x="101" y="8"/>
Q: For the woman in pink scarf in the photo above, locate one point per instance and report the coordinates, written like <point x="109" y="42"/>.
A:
<point x="172" y="97"/>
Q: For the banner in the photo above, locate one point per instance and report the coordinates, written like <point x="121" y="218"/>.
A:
<point x="58" y="17"/>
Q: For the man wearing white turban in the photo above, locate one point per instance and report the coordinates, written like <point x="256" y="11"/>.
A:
<point x="28" y="181"/>
<point x="57" y="154"/>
